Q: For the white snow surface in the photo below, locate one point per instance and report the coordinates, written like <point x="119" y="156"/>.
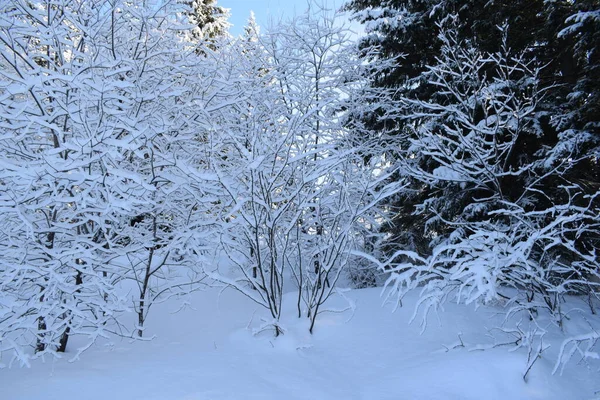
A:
<point x="208" y="351"/>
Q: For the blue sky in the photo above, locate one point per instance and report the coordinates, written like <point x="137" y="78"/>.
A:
<point x="266" y="10"/>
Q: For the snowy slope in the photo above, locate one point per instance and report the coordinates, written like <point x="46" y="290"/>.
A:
<point x="209" y="352"/>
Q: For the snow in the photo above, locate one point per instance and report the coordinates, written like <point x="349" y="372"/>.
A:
<point x="448" y="174"/>
<point x="209" y="351"/>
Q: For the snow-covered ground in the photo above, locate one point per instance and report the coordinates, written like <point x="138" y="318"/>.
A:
<point x="208" y="351"/>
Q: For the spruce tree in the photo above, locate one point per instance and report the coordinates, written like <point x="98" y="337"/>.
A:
<point x="560" y="37"/>
<point x="210" y="19"/>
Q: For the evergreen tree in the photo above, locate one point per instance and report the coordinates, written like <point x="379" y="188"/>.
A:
<point x="496" y="132"/>
<point x="560" y="36"/>
<point x="577" y="119"/>
<point x="251" y="30"/>
<point x="209" y="19"/>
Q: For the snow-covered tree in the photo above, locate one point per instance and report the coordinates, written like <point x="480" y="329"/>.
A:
<point x="56" y="206"/>
<point x="297" y="192"/>
<point x="97" y="119"/>
<point x="321" y="81"/>
<point x="162" y="137"/>
<point x="209" y="20"/>
<point x="505" y="237"/>
<point x="543" y="32"/>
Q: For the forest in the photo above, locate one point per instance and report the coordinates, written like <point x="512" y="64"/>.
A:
<point x="451" y="150"/>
